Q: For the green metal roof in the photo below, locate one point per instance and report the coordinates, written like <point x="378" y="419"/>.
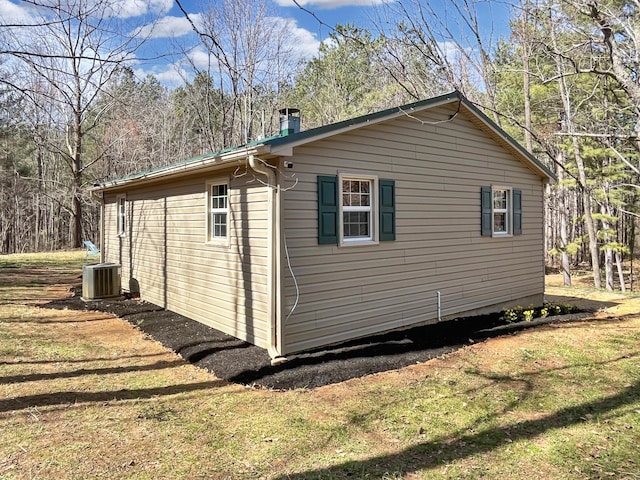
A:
<point x="363" y="119"/>
<point x="403" y="109"/>
<point x="357" y="122"/>
<point x="142" y="173"/>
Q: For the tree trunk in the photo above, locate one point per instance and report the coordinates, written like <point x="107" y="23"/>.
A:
<point x="76" y="218"/>
<point x="632" y="250"/>
<point x="582" y="176"/>
<point x="563" y="212"/>
<point x="526" y="77"/>
<point x="589" y="223"/>
<point x="618" y="257"/>
<point x="608" y="253"/>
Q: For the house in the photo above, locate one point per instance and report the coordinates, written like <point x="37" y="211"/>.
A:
<point x="411" y="215"/>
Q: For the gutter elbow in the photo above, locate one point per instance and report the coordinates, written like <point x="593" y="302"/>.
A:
<point x="259" y="167"/>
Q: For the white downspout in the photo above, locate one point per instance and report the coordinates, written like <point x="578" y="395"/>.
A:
<point x="273" y="249"/>
<point x="100" y="197"/>
<point x="102" y="232"/>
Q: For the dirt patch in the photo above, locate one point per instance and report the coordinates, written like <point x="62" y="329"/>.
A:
<point x="36" y="276"/>
<point x="236" y="361"/>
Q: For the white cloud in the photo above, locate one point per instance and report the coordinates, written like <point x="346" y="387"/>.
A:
<point x="328" y="4"/>
<point x="303" y="43"/>
<point x="306" y="43"/>
<point x="169" y="27"/>
<point x="199" y="57"/>
<point x="137" y="8"/>
<point x="171" y="76"/>
<point x="300" y="44"/>
<point x="13" y="13"/>
<point x="450" y="50"/>
<point x="19" y="12"/>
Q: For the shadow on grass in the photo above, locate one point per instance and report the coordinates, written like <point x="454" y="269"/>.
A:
<point x="46" y="321"/>
<point x="584" y="304"/>
<point x="79" y="360"/>
<point x="21" y="277"/>
<point x="34" y="377"/>
<point x="444" y="450"/>
<point x="72" y="398"/>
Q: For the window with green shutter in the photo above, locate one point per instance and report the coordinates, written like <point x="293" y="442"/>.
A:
<point x="387" y="190"/>
<point x="327" y="210"/>
<point x="517" y="212"/>
<point x="501" y="211"/>
<point x="355" y="210"/>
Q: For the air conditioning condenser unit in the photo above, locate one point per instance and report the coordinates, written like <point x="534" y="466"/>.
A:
<point x="101" y="280"/>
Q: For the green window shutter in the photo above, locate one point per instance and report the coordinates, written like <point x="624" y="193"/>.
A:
<point x="387" y="190"/>
<point x="327" y="209"/>
<point x="485" y="196"/>
<point x="517" y="212"/>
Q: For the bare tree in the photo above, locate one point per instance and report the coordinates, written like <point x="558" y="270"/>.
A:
<point x="250" y="55"/>
<point x="72" y="48"/>
<point x="619" y="27"/>
<point x="451" y="40"/>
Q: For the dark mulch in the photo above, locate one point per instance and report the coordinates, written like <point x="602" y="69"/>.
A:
<point x="236" y="361"/>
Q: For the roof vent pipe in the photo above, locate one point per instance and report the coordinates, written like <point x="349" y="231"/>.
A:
<point x="289" y="121"/>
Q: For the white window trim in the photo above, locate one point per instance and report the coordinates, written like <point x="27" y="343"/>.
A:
<point x="373" y="227"/>
<point x="508" y="211"/>
<point x="209" y="238"/>
<point x="121" y="219"/>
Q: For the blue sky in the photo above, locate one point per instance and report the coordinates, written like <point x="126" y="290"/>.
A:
<point x="172" y="32"/>
<point x="307" y="30"/>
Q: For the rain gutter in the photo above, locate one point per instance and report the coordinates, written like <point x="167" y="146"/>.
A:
<point x="183" y="169"/>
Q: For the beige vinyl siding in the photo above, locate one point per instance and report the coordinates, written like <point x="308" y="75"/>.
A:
<point x="354" y="291"/>
<point x="165" y="251"/>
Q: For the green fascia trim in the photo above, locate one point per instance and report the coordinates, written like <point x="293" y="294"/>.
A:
<point x="364" y="119"/>
<point x="508" y="138"/>
<point x="187" y="161"/>
<point x="279" y="140"/>
<point x="420" y="105"/>
<point x="142" y="173"/>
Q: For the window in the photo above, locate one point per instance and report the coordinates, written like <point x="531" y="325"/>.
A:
<point x="121" y="215"/>
<point x="355" y="210"/>
<point x="501" y="211"/>
<point x="218" y="211"/>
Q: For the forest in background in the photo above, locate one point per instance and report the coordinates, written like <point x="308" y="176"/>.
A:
<point x="565" y="83"/>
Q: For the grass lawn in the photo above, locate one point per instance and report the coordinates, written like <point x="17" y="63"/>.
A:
<point x="85" y="395"/>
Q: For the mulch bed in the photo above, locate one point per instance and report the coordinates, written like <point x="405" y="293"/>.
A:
<point x="240" y="362"/>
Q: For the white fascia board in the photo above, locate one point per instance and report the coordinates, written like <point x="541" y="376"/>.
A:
<point x="283" y="151"/>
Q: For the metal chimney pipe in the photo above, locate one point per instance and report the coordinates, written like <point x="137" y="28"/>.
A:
<point x="289" y="121"/>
